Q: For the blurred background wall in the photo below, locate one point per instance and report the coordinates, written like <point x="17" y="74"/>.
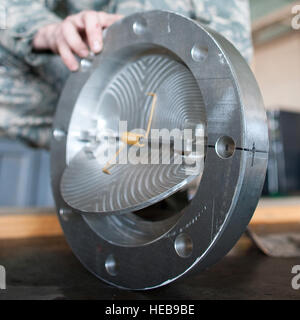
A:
<point x="24" y="172"/>
<point x="276" y="61"/>
<point x="276" y="64"/>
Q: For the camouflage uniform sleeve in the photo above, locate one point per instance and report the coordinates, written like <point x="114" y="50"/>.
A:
<point x="24" y="19"/>
<point x="232" y="20"/>
<point x="127" y="7"/>
<point x="75" y="6"/>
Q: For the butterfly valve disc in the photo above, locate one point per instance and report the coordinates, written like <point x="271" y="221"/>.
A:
<point x="140" y="219"/>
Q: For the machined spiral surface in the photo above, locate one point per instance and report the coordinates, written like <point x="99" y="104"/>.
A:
<point x="130" y="186"/>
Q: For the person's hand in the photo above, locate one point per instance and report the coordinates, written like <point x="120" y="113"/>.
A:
<point x="75" y="35"/>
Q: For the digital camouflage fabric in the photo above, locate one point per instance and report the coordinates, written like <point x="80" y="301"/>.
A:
<point x="30" y="83"/>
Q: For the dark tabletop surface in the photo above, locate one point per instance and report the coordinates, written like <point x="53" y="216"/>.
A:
<point x="45" y="268"/>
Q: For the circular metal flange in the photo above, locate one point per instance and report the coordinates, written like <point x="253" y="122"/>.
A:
<point x="142" y="250"/>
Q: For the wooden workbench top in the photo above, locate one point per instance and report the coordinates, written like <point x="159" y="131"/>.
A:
<point x="29" y="223"/>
